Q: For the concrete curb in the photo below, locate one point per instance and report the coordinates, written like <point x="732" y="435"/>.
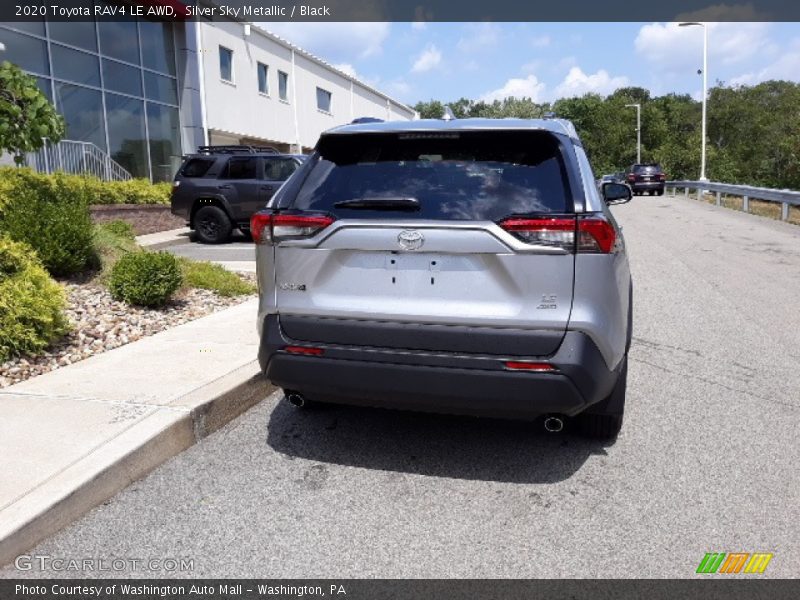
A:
<point x="129" y="457"/>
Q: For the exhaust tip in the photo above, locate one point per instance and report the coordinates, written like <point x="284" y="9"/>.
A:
<point x="553" y="424"/>
<point x="296" y="399"/>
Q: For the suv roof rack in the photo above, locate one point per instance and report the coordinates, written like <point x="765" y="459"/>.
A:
<point x="234" y="149"/>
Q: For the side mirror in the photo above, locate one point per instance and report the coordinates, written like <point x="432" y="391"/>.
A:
<point x="616" y="193"/>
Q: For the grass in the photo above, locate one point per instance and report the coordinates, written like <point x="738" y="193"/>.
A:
<point x="112" y="240"/>
<point x="209" y="276"/>
<point x="771" y="210"/>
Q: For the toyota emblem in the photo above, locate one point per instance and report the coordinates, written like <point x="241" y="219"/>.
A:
<point x="410" y="240"/>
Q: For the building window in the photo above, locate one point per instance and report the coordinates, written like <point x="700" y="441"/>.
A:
<point x="263" y="82"/>
<point x="226" y="64"/>
<point x="323" y="100"/>
<point x="283" y="85"/>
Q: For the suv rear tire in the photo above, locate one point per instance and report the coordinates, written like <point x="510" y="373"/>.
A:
<point x="212" y="225"/>
<point x="602" y="427"/>
<point x="606" y="425"/>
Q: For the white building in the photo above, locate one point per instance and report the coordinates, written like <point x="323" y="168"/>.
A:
<point x="146" y="92"/>
<point x="259" y="88"/>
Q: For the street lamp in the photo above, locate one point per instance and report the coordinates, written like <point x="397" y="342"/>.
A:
<point x="705" y="94"/>
<point x="638" y="108"/>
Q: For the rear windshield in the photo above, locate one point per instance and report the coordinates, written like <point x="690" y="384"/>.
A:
<point x="196" y="167"/>
<point x="454" y="176"/>
<point x="646" y="168"/>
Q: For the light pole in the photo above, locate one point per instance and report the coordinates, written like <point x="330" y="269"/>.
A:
<point x="705" y="95"/>
<point x="638" y="108"/>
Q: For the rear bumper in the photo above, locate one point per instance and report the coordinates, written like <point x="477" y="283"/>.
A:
<point x="644" y="186"/>
<point x="437" y="382"/>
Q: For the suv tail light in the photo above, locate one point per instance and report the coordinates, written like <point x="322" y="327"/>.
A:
<point x="595" y="233"/>
<point x="268" y="228"/>
<point x="662" y="176"/>
<point x="631" y="177"/>
<point x="543" y="231"/>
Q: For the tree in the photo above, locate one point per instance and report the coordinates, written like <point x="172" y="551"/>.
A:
<point x="26" y="116"/>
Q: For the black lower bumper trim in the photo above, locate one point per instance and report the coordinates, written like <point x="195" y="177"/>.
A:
<point x="440" y="383"/>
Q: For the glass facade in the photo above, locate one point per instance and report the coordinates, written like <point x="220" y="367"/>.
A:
<point x="114" y="82"/>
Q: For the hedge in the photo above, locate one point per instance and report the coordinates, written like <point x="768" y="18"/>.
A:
<point x="31" y="303"/>
<point x="51" y="214"/>
<point x="132" y="191"/>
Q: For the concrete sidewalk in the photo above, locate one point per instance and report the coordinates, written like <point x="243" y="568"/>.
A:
<point x="72" y="438"/>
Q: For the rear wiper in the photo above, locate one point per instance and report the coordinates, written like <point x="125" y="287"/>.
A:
<point x="380" y="203"/>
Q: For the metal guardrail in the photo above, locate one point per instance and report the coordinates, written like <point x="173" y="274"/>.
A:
<point x="786" y="198"/>
<point x="78" y="158"/>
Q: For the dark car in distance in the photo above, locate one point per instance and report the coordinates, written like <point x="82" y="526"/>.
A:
<point x="647" y="178"/>
<point x="219" y="188"/>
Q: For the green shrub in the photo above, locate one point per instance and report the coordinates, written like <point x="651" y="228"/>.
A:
<point x="145" y="278"/>
<point x="210" y="276"/>
<point x="51" y="214"/>
<point x="31" y="303"/>
<point x="132" y="191"/>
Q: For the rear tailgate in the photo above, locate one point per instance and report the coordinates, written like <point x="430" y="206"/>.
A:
<point x="442" y="275"/>
<point x="466" y="279"/>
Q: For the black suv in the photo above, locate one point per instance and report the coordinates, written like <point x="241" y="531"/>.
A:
<point x="220" y="187"/>
<point x="647" y="177"/>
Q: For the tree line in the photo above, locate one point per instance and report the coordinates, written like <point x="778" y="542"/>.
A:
<point x="753" y="132"/>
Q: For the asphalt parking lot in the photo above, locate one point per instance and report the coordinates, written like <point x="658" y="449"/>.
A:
<point x="707" y="460"/>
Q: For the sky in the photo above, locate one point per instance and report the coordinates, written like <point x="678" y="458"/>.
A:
<point x="547" y="61"/>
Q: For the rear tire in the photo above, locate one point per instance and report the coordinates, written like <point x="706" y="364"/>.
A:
<point x="601" y="427"/>
<point x="212" y="225"/>
<point x="606" y="420"/>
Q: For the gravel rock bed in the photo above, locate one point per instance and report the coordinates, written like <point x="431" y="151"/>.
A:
<point x="100" y="323"/>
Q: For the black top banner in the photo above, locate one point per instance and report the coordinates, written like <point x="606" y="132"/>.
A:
<point x="405" y="10"/>
<point x="387" y="589"/>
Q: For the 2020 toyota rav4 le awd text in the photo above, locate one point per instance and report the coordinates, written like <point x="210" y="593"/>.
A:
<point x="455" y="266"/>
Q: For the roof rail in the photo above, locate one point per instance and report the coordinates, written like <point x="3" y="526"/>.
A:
<point x="366" y="120"/>
<point x="240" y="149"/>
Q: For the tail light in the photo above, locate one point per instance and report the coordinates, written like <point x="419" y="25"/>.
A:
<point x="267" y="228"/>
<point x="662" y="176"/>
<point x="545" y="231"/>
<point x="631" y="177"/>
<point x="594" y="234"/>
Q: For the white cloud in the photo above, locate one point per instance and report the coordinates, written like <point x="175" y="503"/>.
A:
<point x="336" y="42"/>
<point x="346" y="68"/>
<point x="534" y="65"/>
<point x="399" y="87"/>
<point x="479" y="36"/>
<point x="529" y="87"/>
<point x="787" y="66"/>
<point x="578" y="83"/>
<point x="427" y="60"/>
<point x="541" y="41"/>
<point x="564" y="64"/>
<point x="677" y="48"/>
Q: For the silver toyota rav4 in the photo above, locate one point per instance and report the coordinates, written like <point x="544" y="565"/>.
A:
<point x="458" y="266"/>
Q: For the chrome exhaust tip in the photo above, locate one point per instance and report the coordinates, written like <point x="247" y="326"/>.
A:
<point x="553" y="424"/>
